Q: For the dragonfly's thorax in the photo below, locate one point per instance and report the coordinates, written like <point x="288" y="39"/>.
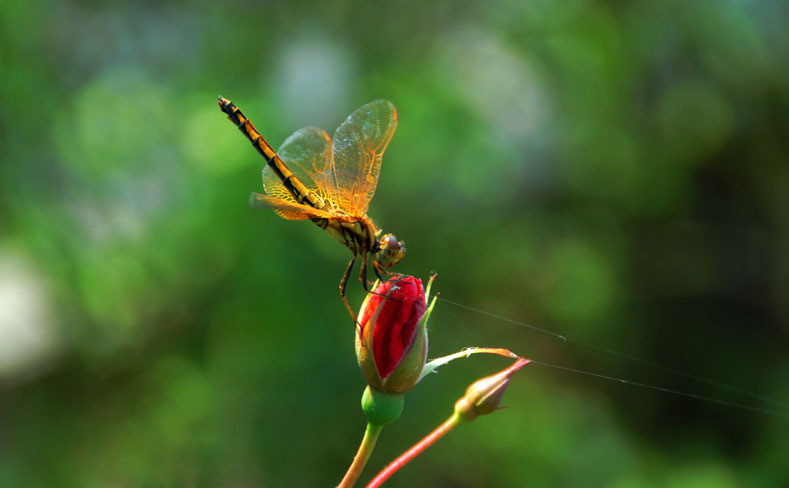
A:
<point x="357" y="233"/>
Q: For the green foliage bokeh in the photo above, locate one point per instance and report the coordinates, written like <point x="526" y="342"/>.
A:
<point x="613" y="171"/>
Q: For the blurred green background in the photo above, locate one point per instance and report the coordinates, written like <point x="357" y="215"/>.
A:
<point x="613" y="171"/>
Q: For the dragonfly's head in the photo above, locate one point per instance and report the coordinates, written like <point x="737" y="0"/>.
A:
<point x="390" y="251"/>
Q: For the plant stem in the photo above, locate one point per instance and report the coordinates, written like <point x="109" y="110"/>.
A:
<point x="414" y="451"/>
<point x="362" y="455"/>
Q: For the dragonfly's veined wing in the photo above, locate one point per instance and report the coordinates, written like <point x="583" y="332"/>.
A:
<point x="288" y="209"/>
<point x="330" y="181"/>
<point x="359" y="145"/>
<point x="308" y="154"/>
<point x="343" y="171"/>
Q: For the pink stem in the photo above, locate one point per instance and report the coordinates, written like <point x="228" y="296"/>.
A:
<point x="413" y="452"/>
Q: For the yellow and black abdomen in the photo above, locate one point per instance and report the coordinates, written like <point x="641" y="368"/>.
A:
<point x="295" y="187"/>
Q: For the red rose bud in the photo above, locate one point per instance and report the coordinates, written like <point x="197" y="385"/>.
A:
<point x="391" y="340"/>
<point x="484" y="396"/>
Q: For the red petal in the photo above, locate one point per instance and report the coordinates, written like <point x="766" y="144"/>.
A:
<point x="396" y="326"/>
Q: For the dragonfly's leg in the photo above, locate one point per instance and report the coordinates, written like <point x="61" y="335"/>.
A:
<point x="344" y="284"/>
<point x="378" y="274"/>
<point x="378" y="271"/>
<point x="363" y="274"/>
<point x="363" y="277"/>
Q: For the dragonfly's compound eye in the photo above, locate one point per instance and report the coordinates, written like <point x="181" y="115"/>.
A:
<point x="390" y="252"/>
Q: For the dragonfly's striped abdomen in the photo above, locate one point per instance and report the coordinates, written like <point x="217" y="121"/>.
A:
<point x="296" y="188"/>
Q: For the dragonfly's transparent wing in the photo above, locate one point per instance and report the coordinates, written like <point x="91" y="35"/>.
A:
<point x="359" y="144"/>
<point x="308" y="154"/>
<point x="287" y="209"/>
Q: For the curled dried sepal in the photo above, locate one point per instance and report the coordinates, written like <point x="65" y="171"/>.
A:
<point x="432" y="365"/>
<point x="484" y="396"/>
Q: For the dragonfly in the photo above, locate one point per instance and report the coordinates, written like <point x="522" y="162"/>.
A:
<point x="331" y="181"/>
